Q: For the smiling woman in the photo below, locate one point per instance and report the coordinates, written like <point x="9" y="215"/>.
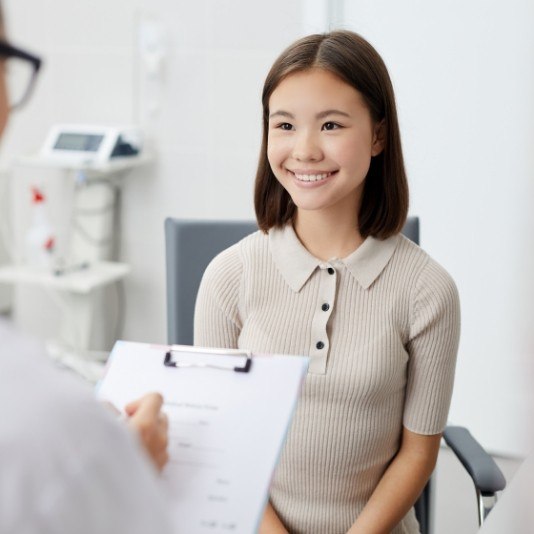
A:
<point x="348" y="59"/>
<point x="329" y="276"/>
<point x="320" y="143"/>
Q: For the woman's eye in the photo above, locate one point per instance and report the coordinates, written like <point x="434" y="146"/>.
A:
<point x="330" y="126"/>
<point x="285" y="126"/>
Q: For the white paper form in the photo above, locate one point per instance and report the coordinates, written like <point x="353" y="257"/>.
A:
<point x="226" y="428"/>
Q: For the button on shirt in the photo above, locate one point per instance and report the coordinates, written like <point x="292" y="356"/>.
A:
<point x="362" y="266"/>
<point x="382" y="356"/>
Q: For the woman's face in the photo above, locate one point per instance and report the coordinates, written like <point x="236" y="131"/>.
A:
<point x="321" y="139"/>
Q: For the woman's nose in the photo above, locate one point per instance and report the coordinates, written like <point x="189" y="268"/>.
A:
<point x="306" y="147"/>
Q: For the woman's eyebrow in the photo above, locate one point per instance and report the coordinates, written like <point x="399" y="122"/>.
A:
<point x="321" y="115"/>
<point x="281" y="113"/>
<point x="328" y="112"/>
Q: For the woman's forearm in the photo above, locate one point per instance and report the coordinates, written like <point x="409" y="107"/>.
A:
<point x="271" y="523"/>
<point x="400" y="485"/>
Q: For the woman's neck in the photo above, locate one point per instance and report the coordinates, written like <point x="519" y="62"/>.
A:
<point x="328" y="235"/>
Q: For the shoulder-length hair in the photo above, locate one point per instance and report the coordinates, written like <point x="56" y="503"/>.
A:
<point x="384" y="204"/>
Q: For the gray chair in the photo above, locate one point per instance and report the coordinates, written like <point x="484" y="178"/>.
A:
<point x="191" y="245"/>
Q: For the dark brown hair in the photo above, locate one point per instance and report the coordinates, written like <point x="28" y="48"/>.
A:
<point x="384" y="204"/>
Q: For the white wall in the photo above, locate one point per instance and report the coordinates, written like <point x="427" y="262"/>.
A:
<point x="464" y="79"/>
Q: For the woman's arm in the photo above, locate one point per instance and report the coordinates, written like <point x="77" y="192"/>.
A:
<point x="217" y="324"/>
<point x="400" y="486"/>
<point x="217" y="320"/>
<point x="271" y="523"/>
<point x="432" y="346"/>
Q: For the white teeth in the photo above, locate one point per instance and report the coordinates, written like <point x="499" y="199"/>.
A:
<point x="311" y="177"/>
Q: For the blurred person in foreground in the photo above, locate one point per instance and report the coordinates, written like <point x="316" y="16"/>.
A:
<point x="66" y="464"/>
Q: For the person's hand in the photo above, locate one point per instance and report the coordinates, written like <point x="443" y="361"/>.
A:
<point x="151" y="424"/>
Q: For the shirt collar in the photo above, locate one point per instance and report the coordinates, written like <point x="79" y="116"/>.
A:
<point x="370" y="258"/>
<point x="290" y="256"/>
<point x="296" y="264"/>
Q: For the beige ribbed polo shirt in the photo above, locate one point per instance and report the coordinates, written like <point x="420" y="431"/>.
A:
<point x="381" y="328"/>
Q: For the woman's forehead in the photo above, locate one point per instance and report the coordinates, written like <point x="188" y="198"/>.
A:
<point x="315" y="88"/>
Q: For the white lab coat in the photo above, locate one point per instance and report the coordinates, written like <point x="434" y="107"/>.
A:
<point x="66" y="465"/>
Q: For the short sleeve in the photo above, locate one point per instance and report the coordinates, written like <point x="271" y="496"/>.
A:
<point x="217" y="318"/>
<point x="432" y="348"/>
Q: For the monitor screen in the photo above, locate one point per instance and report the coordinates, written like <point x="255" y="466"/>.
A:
<point x="79" y="142"/>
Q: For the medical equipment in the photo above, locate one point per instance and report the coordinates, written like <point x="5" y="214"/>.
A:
<point x="84" y="280"/>
<point x="40" y="236"/>
<point x="84" y="144"/>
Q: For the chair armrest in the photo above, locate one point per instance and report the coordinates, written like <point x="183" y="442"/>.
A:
<point x="486" y="475"/>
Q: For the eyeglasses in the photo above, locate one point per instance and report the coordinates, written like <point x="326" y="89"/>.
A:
<point x="21" y="70"/>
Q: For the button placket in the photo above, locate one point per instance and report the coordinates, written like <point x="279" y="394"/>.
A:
<point x="320" y="342"/>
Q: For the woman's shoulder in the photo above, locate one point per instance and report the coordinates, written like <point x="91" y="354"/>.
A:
<point x="416" y="258"/>
<point x="428" y="276"/>
<point x="228" y="265"/>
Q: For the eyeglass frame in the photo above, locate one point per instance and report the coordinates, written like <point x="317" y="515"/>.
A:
<point x="7" y="51"/>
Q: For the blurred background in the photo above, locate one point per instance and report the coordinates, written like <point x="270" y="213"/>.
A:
<point x="190" y="73"/>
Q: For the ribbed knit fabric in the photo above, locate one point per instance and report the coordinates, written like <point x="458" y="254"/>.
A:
<point x="381" y="328"/>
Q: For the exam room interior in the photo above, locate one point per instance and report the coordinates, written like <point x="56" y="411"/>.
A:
<point x="464" y="79"/>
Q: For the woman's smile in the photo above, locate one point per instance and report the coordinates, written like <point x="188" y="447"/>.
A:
<point x="312" y="178"/>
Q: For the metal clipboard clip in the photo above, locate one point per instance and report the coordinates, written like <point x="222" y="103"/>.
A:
<point x="169" y="362"/>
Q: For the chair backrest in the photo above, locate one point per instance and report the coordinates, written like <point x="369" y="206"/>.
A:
<point x="411" y="229"/>
<point x="190" y="246"/>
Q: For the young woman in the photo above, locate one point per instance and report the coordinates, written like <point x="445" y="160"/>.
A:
<point x="329" y="276"/>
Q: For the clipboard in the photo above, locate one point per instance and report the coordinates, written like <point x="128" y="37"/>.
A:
<point x="229" y="412"/>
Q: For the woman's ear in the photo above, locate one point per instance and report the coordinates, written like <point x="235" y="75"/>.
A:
<point x="379" y="137"/>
